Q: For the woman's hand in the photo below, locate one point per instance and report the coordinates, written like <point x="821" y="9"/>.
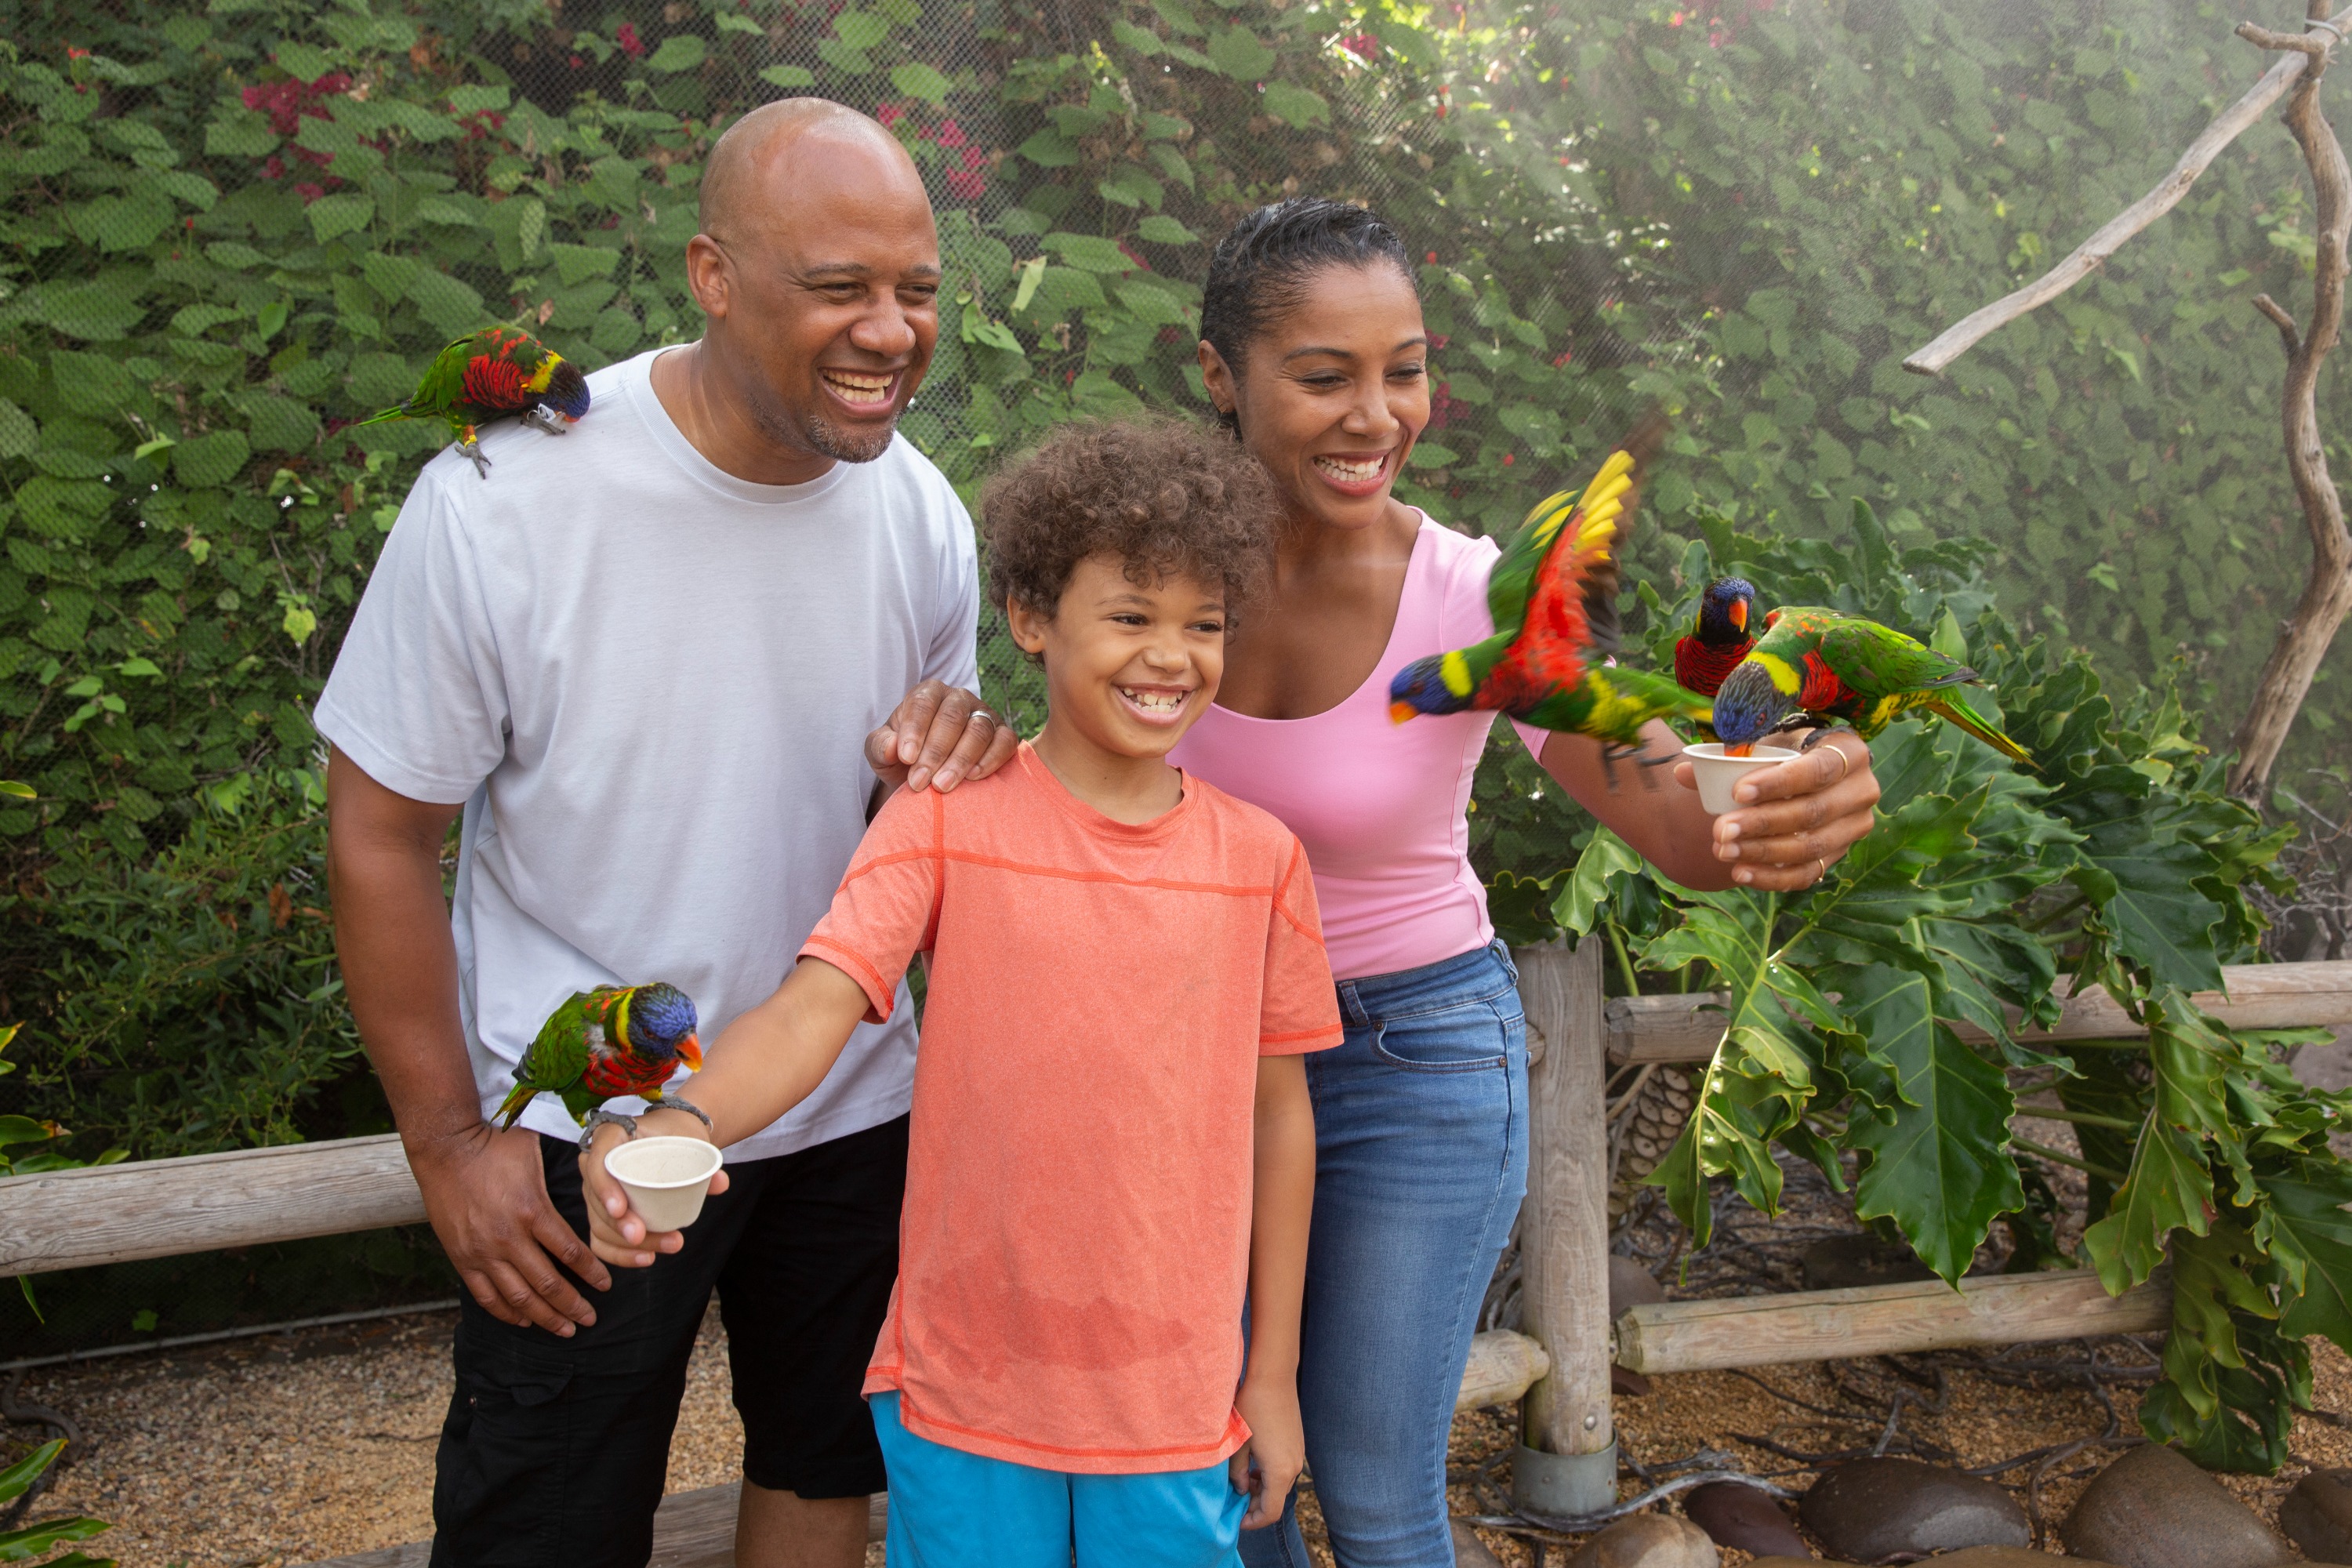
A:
<point x="1795" y="819"/>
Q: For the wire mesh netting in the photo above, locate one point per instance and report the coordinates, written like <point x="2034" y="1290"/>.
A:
<point x="233" y="229"/>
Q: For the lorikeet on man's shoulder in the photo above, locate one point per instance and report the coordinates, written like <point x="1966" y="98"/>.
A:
<point x="603" y="1044"/>
<point x="1837" y="668"/>
<point x="489" y="374"/>
<point x="1719" y="638"/>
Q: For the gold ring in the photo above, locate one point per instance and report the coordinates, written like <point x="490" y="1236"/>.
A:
<point x="1846" y="764"/>
<point x="1821" y="862"/>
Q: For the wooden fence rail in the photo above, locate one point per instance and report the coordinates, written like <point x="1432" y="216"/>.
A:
<point x="114" y="1214"/>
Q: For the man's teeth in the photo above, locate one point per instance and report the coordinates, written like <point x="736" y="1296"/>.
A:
<point x="1353" y="471"/>
<point x="1154" y="702"/>
<point x="855" y="388"/>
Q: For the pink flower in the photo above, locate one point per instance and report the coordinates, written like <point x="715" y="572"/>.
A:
<point x="1129" y="251"/>
<point x="888" y="113"/>
<point x="631" y="45"/>
<point x="1363" y="46"/>
<point x="309" y="192"/>
<point x="950" y="134"/>
<point x="967" y="184"/>
<point x="974" y="158"/>
<point x="1677" y="19"/>
<point x="577" y="62"/>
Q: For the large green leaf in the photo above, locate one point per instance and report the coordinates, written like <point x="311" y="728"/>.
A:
<point x="2311" y="1234"/>
<point x="2168" y="1188"/>
<point x="1939" y="1166"/>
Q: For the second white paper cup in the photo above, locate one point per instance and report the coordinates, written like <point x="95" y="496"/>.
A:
<point x="1716" y="773"/>
<point x="665" y="1178"/>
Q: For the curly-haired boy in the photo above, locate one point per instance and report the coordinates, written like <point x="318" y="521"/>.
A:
<point x="1112" y="1146"/>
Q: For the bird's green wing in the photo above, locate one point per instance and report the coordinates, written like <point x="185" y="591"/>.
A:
<point x="559" y="1053"/>
<point x="443" y="384"/>
<point x="1878" y="661"/>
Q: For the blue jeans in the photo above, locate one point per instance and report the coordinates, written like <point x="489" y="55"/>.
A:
<point x="1420" y="1160"/>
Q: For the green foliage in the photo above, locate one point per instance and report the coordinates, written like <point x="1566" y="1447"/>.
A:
<point x="1983" y="890"/>
<point x="38" y="1540"/>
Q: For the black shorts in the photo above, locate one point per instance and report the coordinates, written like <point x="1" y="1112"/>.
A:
<point x="554" y="1450"/>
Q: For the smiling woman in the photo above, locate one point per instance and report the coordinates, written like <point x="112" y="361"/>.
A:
<point x="1315" y="356"/>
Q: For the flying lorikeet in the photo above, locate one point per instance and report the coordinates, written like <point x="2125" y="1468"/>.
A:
<point x="1719" y="638"/>
<point x="1843" y="669"/>
<point x="488" y="375"/>
<point x="606" y="1043"/>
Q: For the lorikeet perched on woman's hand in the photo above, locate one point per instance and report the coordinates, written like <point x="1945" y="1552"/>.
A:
<point x="606" y="1043"/>
<point x="489" y="374"/>
<point x="1837" y="668"/>
<point x="1720" y="638"/>
<point x="1553" y="595"/>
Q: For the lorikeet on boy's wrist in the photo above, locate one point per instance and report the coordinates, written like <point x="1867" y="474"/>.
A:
<point x="603" y="1044"/>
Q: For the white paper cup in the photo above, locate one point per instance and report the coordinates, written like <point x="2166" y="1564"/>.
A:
<point x="1716" y="773"/>
<point x="665" y="1178"/>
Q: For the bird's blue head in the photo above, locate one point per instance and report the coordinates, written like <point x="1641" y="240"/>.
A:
<point x="1749" y="707"/>
<point x="1723" y="611"/>
<point x="1441" y="683"/>
<point x="567" y="390"/>
<point x="661" y="1025"/>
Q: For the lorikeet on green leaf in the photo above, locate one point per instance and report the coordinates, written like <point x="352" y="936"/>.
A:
<point x="603" y="1044"/>
<point x="1837" y="668"/>
<point x="488" y="375"/>
<point x="1719" y="638"/>
<point x="1553" y="594"/>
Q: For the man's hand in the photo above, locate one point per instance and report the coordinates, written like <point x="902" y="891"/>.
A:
<point x="486" y="1195"/>
<point x="614" y="1231"/>
<point x="1797" y="818"/>
<point x="939" y="736"/>
<point x="1268" y="1464"/>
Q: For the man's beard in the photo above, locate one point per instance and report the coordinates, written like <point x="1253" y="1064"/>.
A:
<point x="821" y="436"/>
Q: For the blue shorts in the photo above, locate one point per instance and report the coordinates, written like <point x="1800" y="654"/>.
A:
<point x="953" y="1510"/>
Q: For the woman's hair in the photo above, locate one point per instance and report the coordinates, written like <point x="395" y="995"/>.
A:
<point x="1159" y="493"/>
<point x="1260" y="269"/>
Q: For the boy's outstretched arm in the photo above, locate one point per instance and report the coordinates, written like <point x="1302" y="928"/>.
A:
<point x="766" y="1062"/>
<point x="1282" y="1206"/>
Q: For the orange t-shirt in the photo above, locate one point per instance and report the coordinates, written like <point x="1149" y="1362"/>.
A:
<point x="1075" y="1247"/>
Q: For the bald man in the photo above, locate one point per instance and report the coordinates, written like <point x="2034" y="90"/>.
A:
<point x="656" y="665"/>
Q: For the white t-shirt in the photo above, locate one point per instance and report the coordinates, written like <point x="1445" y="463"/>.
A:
<point x="650" y="683"/>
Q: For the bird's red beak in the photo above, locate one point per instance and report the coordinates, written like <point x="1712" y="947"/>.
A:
<point x="1401" y="711"/>
<point x="1739" y="614"/>
<point x="689" y="1051"/>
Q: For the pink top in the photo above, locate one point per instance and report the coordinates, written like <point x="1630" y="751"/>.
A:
<point x="1381" y="806"/>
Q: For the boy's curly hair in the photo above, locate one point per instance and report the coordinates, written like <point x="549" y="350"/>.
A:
<point x="1166" y="496"/>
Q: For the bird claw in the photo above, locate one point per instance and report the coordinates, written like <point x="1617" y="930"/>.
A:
<point x="539" y="418"/>
<point x="1823" y="733"/>
<point x="472" y="452"/>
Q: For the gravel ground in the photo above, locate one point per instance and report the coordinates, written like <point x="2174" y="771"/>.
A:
<point x="291" y="1449"/>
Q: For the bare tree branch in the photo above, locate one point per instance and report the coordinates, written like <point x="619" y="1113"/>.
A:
<point x="2327" y="593"/>
<point x="2092" y="253"/>
<point x="2281" y="319"/>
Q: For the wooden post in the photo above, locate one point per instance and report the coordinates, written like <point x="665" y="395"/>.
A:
<point x="1567" y="1461"/>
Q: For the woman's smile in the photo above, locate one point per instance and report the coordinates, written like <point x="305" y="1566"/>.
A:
<point x="1355" y="474"/>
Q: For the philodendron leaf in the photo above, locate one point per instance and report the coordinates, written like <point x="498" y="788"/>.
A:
<point x="2170" y="1188"/>
<point x="1939" y="1166"/>
<point x="2105" y="1086"/>
<point x="1607" y="860"/>
<point x="2157" y="913"/>
<point x="2191" y="1055"/>
<point x="2311" y="1237"/>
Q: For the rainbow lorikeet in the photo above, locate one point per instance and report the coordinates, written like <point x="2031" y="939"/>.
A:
<point x="1843" y="669"/>
<point x="603" y="1044"/>
<point x="488" y="375"/>
<point x="1719" y="638"/>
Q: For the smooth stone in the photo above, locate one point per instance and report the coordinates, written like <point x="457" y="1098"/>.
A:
<point x="1745" y="1518"/>
<point x="1846" y="1262"/>
<point x="2317" y="1514"/>
<point x="1875" y="1508"/>
<point x="1631" y="1285"/>
<point x="1469" y="1551"/>
<point x="1648" y="1541"/>
<point x="2153" y="1507"/>
<point x="1798" y="1563"/>
<point x="2013" y="1557"/>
